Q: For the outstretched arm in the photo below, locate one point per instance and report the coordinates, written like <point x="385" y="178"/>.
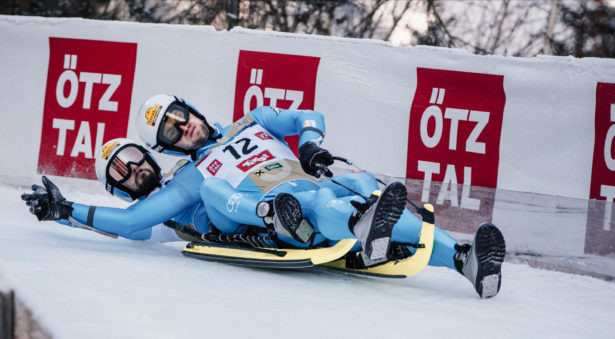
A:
<point x="181" y="193"/>
<point x="155" y="209"/>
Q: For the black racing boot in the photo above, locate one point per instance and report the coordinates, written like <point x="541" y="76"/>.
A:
<point x="373" y="222"/>
<point x="481" y="262"/>
<point x="284" y="214"/>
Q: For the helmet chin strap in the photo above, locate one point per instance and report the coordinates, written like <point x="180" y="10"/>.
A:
<point x="212" y="131"/>
<point x="193" y="155"/>
<point x="213" y="134"/>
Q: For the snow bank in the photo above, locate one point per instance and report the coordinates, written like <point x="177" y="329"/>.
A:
<point x="83" y="285"/>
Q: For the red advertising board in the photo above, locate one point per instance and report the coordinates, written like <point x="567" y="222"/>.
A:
<point x="279" y="80"/>
<point x="600" y="235"/>
<point x="454" y="138"/>
<point x="603" y="169"/>
<point x="87" y="102"/>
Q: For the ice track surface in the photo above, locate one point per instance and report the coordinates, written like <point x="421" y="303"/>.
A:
<point x="83" y="285"/>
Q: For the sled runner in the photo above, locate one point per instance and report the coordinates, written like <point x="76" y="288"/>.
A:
<point x="267" y="257"/>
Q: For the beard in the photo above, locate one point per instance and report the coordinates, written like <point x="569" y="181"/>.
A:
<point x="201" y="137"/>
<point x="147" y="181"/>
<point x="200" y="142"/>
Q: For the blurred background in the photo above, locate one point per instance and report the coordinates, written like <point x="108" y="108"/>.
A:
<point x="526" y="28"/>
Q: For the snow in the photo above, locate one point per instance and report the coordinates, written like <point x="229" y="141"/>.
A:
<point x="83" y="285"/>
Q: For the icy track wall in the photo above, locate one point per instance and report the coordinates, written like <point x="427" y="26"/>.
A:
<point x="457" y="125"/>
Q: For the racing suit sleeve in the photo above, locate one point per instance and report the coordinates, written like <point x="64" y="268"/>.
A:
<point x="309" y="125"/>
<point x="180" y="193"/>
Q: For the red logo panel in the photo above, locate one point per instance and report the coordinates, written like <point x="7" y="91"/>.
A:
<point x="214" y="167"/>
<point x="263" y="136"/>
<point x="247" y="164"/>
<point x="454" y="136"/>
<point x="87" y="102"/>
<point x="279" y="80"/>
<point x="603" y="169"/>
<point x="600" y="235"/>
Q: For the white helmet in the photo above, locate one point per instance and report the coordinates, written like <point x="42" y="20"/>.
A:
<point x="112" y="167"/>
<point x="153" y="113"/>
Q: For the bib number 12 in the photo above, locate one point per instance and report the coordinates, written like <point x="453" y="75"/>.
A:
<point x="245" y="148"/>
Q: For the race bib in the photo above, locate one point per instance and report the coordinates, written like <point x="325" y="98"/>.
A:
<point x="245" y="152"/>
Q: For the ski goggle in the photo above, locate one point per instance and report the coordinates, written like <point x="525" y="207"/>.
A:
<point x="119" y="166"/>
<point x="169" y="131"/>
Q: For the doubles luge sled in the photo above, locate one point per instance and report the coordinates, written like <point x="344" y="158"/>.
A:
<point x="331" y="257"/>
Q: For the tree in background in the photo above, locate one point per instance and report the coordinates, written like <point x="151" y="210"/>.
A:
<point x="504" y="27"/>
<point x="375" y="19"/>
<point x="591" y="30"/>
<point x="522" y="27"/>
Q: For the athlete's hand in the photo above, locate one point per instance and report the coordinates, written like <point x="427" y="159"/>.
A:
<point x="47" y="203"/>
<point x="315" y="160"/>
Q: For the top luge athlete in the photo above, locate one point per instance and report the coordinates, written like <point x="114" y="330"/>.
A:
<point x="246" y="167"/>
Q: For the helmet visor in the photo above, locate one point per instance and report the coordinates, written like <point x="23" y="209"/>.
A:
<point x="119" y="166"/>
<point x="169" y="131"/>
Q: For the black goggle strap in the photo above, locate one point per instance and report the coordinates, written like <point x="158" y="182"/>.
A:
<point x="196" y="113"/>
<point x="158" y="148"/>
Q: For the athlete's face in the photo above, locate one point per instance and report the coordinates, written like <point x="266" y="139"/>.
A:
<point x="194" y="134"/>
<point x="141" y="176"/>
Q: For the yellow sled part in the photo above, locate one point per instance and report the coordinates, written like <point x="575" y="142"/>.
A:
<point x="398" y="269"/>
<point x="267" y="257"/>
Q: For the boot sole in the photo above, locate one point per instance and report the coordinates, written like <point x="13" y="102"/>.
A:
<point x="388" y="210"/>
<point x="288" y="211"/>
<point x="490" y="250"/>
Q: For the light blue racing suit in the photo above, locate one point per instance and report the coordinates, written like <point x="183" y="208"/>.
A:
<point x="254" y="147"/>
<point x="250" y="162"/>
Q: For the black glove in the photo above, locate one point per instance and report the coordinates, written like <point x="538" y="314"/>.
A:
<point x="314" y="160"/>
<point x="47" y="203"/>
